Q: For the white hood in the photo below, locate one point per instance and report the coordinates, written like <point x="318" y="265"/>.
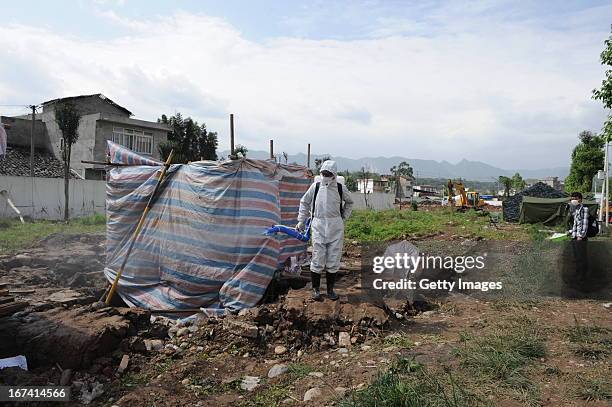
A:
<point x="330" y="166"/>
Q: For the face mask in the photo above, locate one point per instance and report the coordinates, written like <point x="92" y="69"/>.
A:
<point x="574" y="202"/>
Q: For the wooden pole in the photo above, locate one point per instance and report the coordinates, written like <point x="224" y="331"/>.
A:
<point x="32" y="140"/>
<point x="109" y="297"/>
<point x="308" y="157"/>
<point x="271" y="149"/>
<point x="232" y="134"/>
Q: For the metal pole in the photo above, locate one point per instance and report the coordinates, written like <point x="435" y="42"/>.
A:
<point x="32" y="141"/>
<point x="271" y="149"/>
<point x="308" y="157"/>
<point x="602" y="199"/>
<point x="232" y="134"/>
<point x="607" y="180"/>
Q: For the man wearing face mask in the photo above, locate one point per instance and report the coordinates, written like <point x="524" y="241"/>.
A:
<point x="328" y="203"/>
<point x="580" y="226"/>
<point x="579" y="236"/>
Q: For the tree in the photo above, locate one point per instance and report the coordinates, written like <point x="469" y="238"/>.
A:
<point x="517" y="182"/>
<point x="350" y="181"/>
<point x="67" y="118"/>
<point x="240" y="151"/>
<point x="365" y="176"/>
<point x="605" y="92"/>
<point x="403" y="169"/>
<point x="587" y="159"/>
<point x="506" y="183"/>
<point x="189" y="140"/>
<point x="319" y="162"/>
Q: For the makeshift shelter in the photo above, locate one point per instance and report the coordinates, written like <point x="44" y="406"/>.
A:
<point x="202" y="243"/>
<point x="549" y="211"/>
<point x="511" y="206"/>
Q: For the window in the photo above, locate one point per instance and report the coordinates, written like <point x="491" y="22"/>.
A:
<point x="136" y="140"/>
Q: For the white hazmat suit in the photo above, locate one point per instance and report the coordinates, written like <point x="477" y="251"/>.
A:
<point x="327" y="227"/>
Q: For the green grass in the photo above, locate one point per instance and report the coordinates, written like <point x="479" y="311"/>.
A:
<point x="17" y="236"/>
<point x="502" y="357"/>
<point x="398" y="339"/>
<point x="410" y="384"/>
<point x="270" y="397"/>
<point x="394" y="224"/>
<point x="590" y="342"/>
<point x="592" y="389"/>
<point x="299" y="370"/>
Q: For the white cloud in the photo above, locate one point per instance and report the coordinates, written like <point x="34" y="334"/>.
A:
<point x="509" y="93"/>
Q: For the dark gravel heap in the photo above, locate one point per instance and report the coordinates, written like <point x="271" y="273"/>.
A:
<point x="17" y="162"/>
<point x="512" y="205"/>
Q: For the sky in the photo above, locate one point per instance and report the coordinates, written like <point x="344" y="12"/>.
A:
<point x="504" y="82"/>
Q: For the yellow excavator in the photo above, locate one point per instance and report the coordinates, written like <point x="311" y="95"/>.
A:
<point x="465" y="199"/>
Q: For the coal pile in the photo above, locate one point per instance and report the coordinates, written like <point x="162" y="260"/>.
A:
<point x="512" y="205"/>
<point x="16" y="162"/>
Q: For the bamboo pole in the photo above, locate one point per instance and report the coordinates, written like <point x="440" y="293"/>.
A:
<point x="113" y="287"/>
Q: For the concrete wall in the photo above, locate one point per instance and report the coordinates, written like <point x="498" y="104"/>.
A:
<point x="43" y="198"/>
<point x="19" y="133"/>
<point x="377" y="200"/>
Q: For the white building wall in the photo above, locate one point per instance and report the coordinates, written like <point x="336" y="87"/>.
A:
<point x="43" y="198"/>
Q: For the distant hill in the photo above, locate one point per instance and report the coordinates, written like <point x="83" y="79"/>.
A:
<point x="465" y="169"/>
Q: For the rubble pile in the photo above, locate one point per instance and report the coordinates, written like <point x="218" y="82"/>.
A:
<point x="297" y="323"/>
<point x="17" y="162"/>
<point x="512" y="206"/>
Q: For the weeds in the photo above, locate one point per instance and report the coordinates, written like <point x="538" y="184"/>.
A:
<point x="399" y="340"/>
<point x="17" y="236"/>
<point x="270" y="397"/>
<point x="590" y="342"/>
<point x="299" y="370"/>
<point x="409" y="384"/>
<point x="502" y="357"/>
<point x="593" y="389"/>
<point x="394" y="224"/>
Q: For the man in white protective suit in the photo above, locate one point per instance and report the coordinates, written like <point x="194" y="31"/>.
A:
<point x="328" y="203"/>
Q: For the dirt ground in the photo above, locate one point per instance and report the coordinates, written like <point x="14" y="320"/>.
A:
<point x="281" y="352"/>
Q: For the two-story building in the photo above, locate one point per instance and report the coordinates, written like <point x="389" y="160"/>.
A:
<point x="101" y="120"/>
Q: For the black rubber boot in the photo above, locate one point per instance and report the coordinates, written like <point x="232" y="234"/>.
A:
<point x="316" y="284"/>
<point x="330" y="280"/>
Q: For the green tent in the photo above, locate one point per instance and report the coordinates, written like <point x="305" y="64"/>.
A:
<point x="549" y="211"/>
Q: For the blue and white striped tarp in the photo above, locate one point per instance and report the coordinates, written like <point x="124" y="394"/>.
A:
<point x="202" y="243"/>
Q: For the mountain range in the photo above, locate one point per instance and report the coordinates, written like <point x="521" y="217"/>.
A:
<point x="465" y="169"/>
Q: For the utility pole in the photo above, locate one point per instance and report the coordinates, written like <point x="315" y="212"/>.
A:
<point x="308" y="157"/>
<point x="272" y="150"/>
<point x="32" y="141"/>
<point x="231" y="135"/>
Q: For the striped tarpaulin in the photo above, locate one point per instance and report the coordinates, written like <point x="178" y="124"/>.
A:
<point x="202" y="243"/>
